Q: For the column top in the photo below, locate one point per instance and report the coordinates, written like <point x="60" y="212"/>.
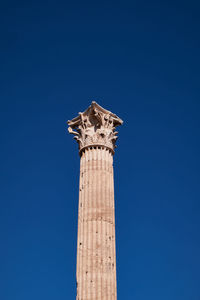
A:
<point x="95" y="127"/>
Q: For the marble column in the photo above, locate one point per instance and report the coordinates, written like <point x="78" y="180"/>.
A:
<point x="95" y="133"/>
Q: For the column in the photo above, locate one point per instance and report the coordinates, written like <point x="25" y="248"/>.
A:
<point x="95" y="133"/>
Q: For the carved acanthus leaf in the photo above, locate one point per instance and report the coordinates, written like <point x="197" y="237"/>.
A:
<point x="95" y="126"/>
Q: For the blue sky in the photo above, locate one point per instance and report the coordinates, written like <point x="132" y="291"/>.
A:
<point x="139" y="59"/>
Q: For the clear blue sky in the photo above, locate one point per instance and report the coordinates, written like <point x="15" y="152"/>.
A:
<point x="141" y="60"/>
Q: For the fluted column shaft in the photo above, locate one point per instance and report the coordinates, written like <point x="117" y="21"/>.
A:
<point x="96" y="258"/>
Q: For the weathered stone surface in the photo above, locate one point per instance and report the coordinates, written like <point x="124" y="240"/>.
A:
<point x="96" y="256"/>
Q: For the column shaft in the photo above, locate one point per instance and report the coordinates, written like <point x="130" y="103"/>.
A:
<point x="96" y="260"/>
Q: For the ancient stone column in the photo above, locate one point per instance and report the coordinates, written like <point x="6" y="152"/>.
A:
<point x="94" y="130"/>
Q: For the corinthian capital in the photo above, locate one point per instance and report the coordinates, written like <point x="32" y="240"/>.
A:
<point x="95" y="127"/>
